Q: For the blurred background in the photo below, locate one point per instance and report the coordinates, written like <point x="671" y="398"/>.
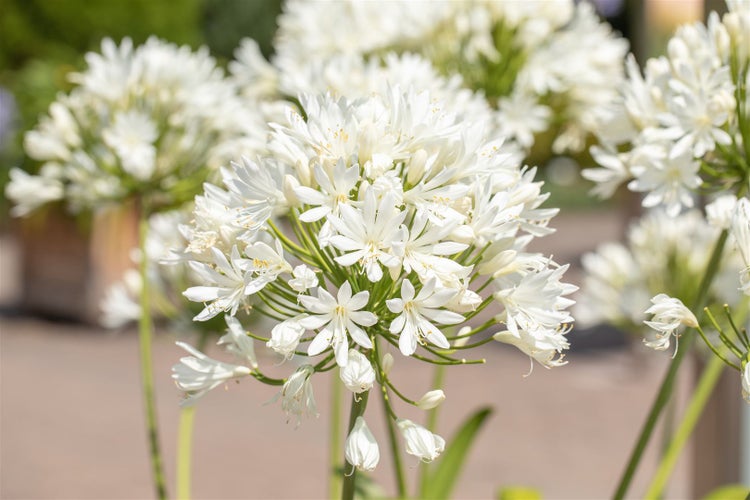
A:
<point x="70" y="418"/>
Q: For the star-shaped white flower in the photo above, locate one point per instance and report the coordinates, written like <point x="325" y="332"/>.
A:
<point x="414" y="315"/>
<point x="368" y="234"/>
<point x="338" y="316"/>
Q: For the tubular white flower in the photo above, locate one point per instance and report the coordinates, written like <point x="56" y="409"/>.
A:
<point x="746" y="382"/>
<point x="237" y="342"/>
<point x="740" y="230"/>
<point x="197" y="374"/>
<point x="338" y="317"/>
<point x="668" y="315"/>
<point x="358" y="375"/>
<point x="361" y="449"/>
<point x="420" y="442"/>
<point x="431" y="399"/>
<point x="297" y="394"/>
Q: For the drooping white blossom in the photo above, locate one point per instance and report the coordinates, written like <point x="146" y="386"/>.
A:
<point x="361" y="449"/>
<point x="358" y="375"/>
<point x="669" y="314"/>
<point x="420" y="442"/>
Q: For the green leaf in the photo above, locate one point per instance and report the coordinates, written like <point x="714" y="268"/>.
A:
<point x="443" y="477"/>
<point x="729" y="492"/>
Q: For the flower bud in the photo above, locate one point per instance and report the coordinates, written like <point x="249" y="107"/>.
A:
<point x="361" y="449"/>
<point x="416" y="167"/>
<point x="420" y="442"/>
<point x="387" y="363"/>
<point x="358" y="375"/>
<point x="431" y="400"/>
<point x="288" y="186"/>
<point x="285" y="337"/>
<point x="746" y="382"/>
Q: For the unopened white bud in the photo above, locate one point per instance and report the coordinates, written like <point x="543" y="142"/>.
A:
<point x="431" y="400"/>
<point x="416" y="167"/>
<point x="387" y="363"/>
<point x="290" y="182"/>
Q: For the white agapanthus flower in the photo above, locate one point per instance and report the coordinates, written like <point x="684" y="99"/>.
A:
<point x="746" y="382"/>
<point x="740" y="230"/>
<point x="372" y="222"/>
<point x="197" y="374"/>
<point x="338" y="319"/>
<point x="420" y="442"/>
<point x="358" y="375"/>
<point x="297" y="397"/>
<point x="669" y="314"/>
<point x="361" y="449"/>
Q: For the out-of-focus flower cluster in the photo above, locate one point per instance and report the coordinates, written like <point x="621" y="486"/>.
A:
<point x="662" y="254"/>
<point x="683" y="126"/>
<point x="544" y="67"/>
<point x="375" y="224"/>
<point x="150" y="121"/>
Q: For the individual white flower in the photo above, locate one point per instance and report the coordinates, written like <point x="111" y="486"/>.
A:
<point x="668" y="315"/>
<point x="237" y="342"/>
<point x="431" y="399"/>
<point x="297" y="394"/>
<point x="740" y="229"/>
<point x="416" y="314"/>
<point x="545" y="345"/>
<point x="746" y="382"/>
<point x="303" y="278"/>
<point x="132" y="137"/>
<point x="669" y="181"/>
<point x="420" y="442"/>
<point x="285" y="336"/>
<point x="228" y="283"/>
<point x="361" y="449"/>
<point x="263" y="265"/>
<point x="28" y="192"/>
<point x="197" y="374"/>
<point x="367" y="235"/>
<point x="338" y="317"/>
<point x="120" y="305"/>
<point x="358" y="375"/>
<point x="719" y="212"/>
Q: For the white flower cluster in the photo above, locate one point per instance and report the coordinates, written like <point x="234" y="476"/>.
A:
<point x="538" y="63"/>
<point x="371" y="223"/>
<point x="150" y="121"/>
<point x="662" y="254"/>
<point x="685" y="122"/>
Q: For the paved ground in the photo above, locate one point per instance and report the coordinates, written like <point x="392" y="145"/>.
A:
<point x="71" y="420"/>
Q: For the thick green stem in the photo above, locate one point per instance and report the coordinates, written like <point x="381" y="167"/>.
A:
<point x="359" y="403"/>
<point x="184" y="452"/>
<point x="665" y="391"/>
<point x="145" y="328"/>
<point x="703" y="391"/>
<point x="335" y="463"/>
